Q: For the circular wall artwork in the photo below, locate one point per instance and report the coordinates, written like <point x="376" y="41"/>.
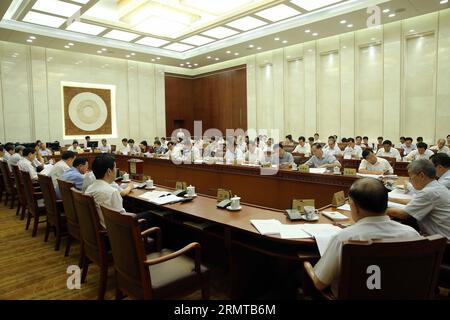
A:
<point x="88" y="111"/>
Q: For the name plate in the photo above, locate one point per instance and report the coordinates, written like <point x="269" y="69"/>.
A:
<point x="303" y="168"/>
<point x="133" y="167"/>
<point x="181" y="185"/>
<point x="57" y="153"/>
<point x="349" y="172"/>
<point x="223" y="194"/>
<point x="299" y="204"/>
<point x="338" y="199"/>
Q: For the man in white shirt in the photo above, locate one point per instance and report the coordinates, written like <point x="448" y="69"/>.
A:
<point x="26" y="163"/>
<point x="303" y="147"/>
<point x="211" y="148"/>
<point x="368" y="202"/>
<point x="254" y="155"/>
<point x="374" y="165"/>
<point x="441" y="163"/>
<point x="75" y="147"/>
<point x="352" y="151"/>
<point x="316" y="138"/>
<point x="134" y="149"/>
<point x="440" y="147"/>
<point x="431" y="204"/>
<point x="233" y="153"/>
<point x="408" y="146"/>
<point x="269" y="145"/>
<point x="191" y="153"/>
<point x="358" y="141"/>
<point x="104" y="194"/>
<point x="8" y="151"/>
<point x="124" y="148"/>
<point x="421" y="152"/>
<point x="16" y="157"/>
<point x="62" y="165"/>
<point x="44" y="151"/>
<point x="332" y="148"/>
<point x="104" y="148"/>
<point x="389" y="151"/>
<point x="170" y="147"/>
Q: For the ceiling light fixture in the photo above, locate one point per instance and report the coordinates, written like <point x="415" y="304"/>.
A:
<point x="259" y="48"/>
<point x="251" y="46"/>
<point x="121" y="35"/>
<point x="57" y="7"/>
<point x="158" y="58"/>
<point x="343" y="21"/>
<point x="152" y="42"/>
<point x="70" y="44"/>
<point x="220" y="32"/>
<point x="217" y="59"/>
<point x="315" y="34"/>
<point x="44" y="19"/>
<point x="350" y="25"/>
<point x="30" y="41"/>
<point x="86" y="28"/>
<point x="67" y="47"/>
<point x="208" y="57"/>
<point x="313" y="5"/>
<point x="307" y="31"/>
<point x="276" y="39"/>
<point x="236" y="53"/>
<point x="246" y="23"/>
<point x="228" y="52"/>
<point x="391" y="15"/>
<point x="100" y="51"/>
<point x="386" y="10"/>
<point x="32" y="37"/>
<point x="284" y="41"/>
<point x="277" y="13"/>
<point x="443" y="1"/>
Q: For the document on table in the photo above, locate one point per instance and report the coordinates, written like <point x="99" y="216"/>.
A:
<point x="395" y="205"/>
<point x="366" y="175"/>
<point x="267" y="227"/>
<point x="46" y="170"/>
<point x="166" y="200"/>
<point x="293" y="231"/>
<point x="399" y="194"/>
<point x="322" y="233"/>
<point x="334" y="215"/>
<point x="345" y="207"/>
<point x="149" y="196"/>
<point x="317" y="170"/>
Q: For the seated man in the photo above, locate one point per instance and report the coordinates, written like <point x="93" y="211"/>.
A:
<point x="254" y="155"/>
<point x="288" y="141"/>
<point x="352" y="151"/>
<point x="441" y="162"/>
<point x="75" y="147"/>
<point x="431" y="204"/>
<point x="303" y="147"/>
<point x="233" y="153"/>
<point x="388" y="151"/>
<point x="440" y="147"/>
<point x="135" y="149"/>
<point x="374" y="165"/>
<point x="365" y="142"/>
<point x="421" y="152"/>
<point x="408" y="146"/>
<point x="104" y="194"/>
<point x="159" y="148"/>
<point x="16" y="157"/>
<point x="76" y="173"/>
<point x="26" y="163"/>
<point x="124" y="148"/>
<point x="321" y="159"/>
<point x="368" y="202"/>
<point x="43" y="150"/>
<point x="8" y="151"/>
<point x="62" y="165"/>
<point x="331" y="147"/>
<point x="316" y="139"/>
<point x="104" y="148"/>
<point x="281" y="158"/>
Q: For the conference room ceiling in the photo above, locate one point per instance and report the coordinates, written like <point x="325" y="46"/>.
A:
<point x="190" y="33"/>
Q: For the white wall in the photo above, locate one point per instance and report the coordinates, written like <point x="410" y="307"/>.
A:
<point x="338" y="85"/>
<point x="30" y="95"/>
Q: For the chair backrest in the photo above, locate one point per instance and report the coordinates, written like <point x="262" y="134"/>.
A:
<point x="390" y="160"/>
<point x="73" y="225"/>
<point x="48" y="192"/>
<point x="90" y="227"/>
<point x="19" y="185"/>
<point x="113" y="148"/>
<point x="7" y="179"/>
<point x="128" y="251"/>
<point x="401" y="151"/>
<point x="29" y="192"/>
<point x="402" y="269"/>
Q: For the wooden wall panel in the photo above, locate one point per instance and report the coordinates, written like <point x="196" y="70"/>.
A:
<point x="219" y="100"/>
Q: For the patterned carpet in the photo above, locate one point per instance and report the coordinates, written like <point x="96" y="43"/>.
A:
<point x="31" y="269"/>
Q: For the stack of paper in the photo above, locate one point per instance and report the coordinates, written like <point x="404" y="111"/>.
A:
<point x="46" y="170"/>
<point x="293" y="231"/>
<point x="334" y="215"/>
<point x="395" y="205"/>
<point x="266" y="227"/>
<point x="322" y="233"/>
<point x="154" y="195"/>
<point x="345" y="207"/>
<point x="317" y="170"/>
<point x="366" y="175"/>
<point x="166" y="200"/>
<point x="399" y="194"/>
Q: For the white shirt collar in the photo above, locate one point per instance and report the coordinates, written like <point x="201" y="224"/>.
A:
<point x="383" y="218"/>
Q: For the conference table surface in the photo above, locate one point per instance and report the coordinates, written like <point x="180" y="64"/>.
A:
<point x="275" y="191"/>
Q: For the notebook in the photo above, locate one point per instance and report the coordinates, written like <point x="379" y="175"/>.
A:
<point x="334" y="215"/>
<point x="267" y="227"/>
